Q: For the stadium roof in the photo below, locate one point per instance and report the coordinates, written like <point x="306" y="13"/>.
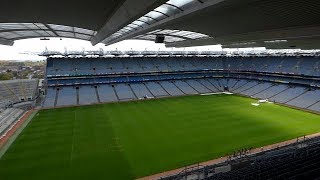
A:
<point x="232" y="23"/>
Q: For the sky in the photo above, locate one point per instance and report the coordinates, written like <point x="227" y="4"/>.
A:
<point x="27" y="49"/>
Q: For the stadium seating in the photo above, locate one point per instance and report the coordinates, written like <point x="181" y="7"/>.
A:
<point x="107" y="93"/>
<point x="171" y="88"/>
<point x="272" y="91"/>
<point x="288" y="94"/>
<point x="289" y="80"/>
<point x="87" y="95"/>
<point x="197" y="86"/>
<point x="256" y="89"/>
<point x="185" y="87"/>
<point x="14" y="91"/>
<point x="8" y="117"/>
<point x="306" y="99"/>
<point x="67" y="96"/>
<point x="50" y="98"/>
<point x="141" y="91"/>
<point x="124" y="92"/>
<point x="156" y="89"/>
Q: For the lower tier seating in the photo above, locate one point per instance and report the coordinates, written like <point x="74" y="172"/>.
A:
<point x="8" y="117"/>
<point x="293" y="95"/>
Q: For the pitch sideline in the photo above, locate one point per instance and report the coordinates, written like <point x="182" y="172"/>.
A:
<point x="15" y="131"/>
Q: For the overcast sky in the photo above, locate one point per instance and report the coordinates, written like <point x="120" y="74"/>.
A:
<point x="26" y="49"/>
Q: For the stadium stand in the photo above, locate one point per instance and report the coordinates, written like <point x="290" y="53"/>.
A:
<point x="171" y="88"/>
<point x="15" y="91"/>
<point x="16" y="97"/>
<point x="293" y="81"/>
<point x="124" y="92"/>
<point x="299" y="160"/>
<point x="156" y="89"/>
<point x="66" y="96"/>
<point x="107" y="94"/>
<point x="8" y="117"/>
<point x="87" y="95"/>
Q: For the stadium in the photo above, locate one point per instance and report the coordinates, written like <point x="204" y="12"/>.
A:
<point x="169" y="114"/>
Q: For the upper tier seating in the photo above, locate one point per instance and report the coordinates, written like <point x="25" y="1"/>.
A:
<point x="81" y="66"/>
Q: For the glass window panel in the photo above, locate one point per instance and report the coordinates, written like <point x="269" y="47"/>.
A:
<point x="196" y="35"/>
<point x="83" y="31"/>
<point x="184" y="4"/>
<point x="65" y="34"/>
<point x="28" y="33"/>
<point x="167" y="9"/>
<point x="172" y="39"/>
<point x="29" y="26"/>
<point x="140" y="23"/>
<point x="156" y="15"/>
<point x="133" y="26"/>
<point x="13" y="26"/>
<point x="124" y="31"/>
<point x="83" y="36"/>
<point x="41" y="33"/>
<point x="181" y="33"/>
<point x="61" y="27"/>
<point x="41" y="26"/>
<point x="128" y="28"/>
<point x="50" y="33"/>
<point x="10" y="26"/>
<point x="147" y="19"/>
<point x="167" y="31"/>
<point x="9" y="35"/>
<point x="154" y="32"/>
<point x="148" y="37"/>
<point x="116" y="34"/>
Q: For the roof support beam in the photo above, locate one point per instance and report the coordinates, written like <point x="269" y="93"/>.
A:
<point x="53" y="31"/>
<point x="6" y="42"/>
<point x="170" y="19"/>
<point x="127" y="13"/>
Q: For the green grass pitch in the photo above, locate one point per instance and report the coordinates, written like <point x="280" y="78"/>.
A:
<point x="135" y="139"/>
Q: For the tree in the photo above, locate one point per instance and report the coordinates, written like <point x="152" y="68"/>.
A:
<point x="6" y="76"/>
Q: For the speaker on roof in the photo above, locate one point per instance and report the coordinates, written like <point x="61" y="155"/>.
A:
<point x="159" y="39"/>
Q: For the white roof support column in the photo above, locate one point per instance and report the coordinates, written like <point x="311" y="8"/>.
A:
<point x="127" y="13"/>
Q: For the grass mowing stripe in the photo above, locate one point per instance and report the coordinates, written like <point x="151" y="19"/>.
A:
<point x="72" y="144"/>
<point x="127" y="140"/>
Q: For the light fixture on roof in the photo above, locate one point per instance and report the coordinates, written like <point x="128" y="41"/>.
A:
<point x="44" y="39"/>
